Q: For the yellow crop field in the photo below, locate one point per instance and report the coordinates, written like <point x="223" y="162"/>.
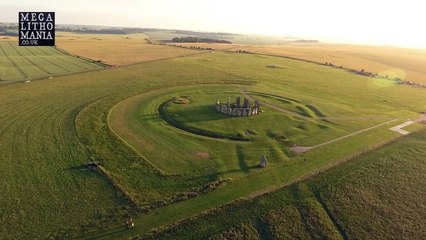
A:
<point x="116" y="49"/>
<point x="8" y="39"/>
<point x="406" y="64"/>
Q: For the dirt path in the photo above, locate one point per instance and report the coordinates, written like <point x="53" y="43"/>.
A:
<point x="305" y="149"/>
<point x="421" y="118"/>
<point x="399" y="129"/>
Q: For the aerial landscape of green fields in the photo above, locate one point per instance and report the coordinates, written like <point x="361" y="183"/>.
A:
<point x="24" y="63"/>
<point x="154" y="133"/>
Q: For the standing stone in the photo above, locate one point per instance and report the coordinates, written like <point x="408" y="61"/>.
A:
<point x="246" y="103"/>
<point x="262" y="162"/>
<point x="257" y="104"/>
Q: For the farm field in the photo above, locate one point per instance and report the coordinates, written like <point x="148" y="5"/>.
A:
<point x="152" y="134"/>
<point x="393" y="62"/>
<point x="27" y="63"/>
<point x="159" y="173"/>
<point x="405" y="64"/>
<point x="402" y="63"/>
<point x="347" y="202"/>
<point x="162" y="35"/>
<point x="116" y="49"/>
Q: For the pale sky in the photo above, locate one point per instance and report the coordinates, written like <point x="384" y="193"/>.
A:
<point x="392" y="22"/>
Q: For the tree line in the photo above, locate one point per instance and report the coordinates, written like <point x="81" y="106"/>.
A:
<point x="198" y="40"/>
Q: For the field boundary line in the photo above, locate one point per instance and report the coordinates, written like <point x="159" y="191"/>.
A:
<point x="67" y="72"/>
<point x="93" y="61"/>
<point x="118" y="186"/>
<point x="102" y="170"/>
<point x="64" y="60"/>
<point x="350" y="70"/>
<point x="54" y="75"/>
<point x="302" y="178"/>
<point x="29" y="60"/>
<point x="167" y="58"/>
<point x="330" y="215"/>
<point x="135" y="63"/>
<point x="51" y="62"/>
<point x="14" y="63"/>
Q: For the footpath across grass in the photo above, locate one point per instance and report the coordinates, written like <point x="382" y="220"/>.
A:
<point x="376" y="195"/>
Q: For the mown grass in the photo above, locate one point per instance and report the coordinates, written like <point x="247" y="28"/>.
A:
<point x="137" y="119"/>
<point x="255" y="181"/>
<point x="144" y="122"/>
<point x="51" y="129"/>
<point x="205" y="113"/>
<point x="27" y="63"/>
<point x="376" y="195"/>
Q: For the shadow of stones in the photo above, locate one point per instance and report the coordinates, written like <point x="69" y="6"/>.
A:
<point x="77" y="168"/>
<point x="183" y="126"/>
<point x="199" y="114"/>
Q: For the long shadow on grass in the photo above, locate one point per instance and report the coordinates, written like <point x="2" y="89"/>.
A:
<point x="78" y="168"/>
<point x="198" y="114"/>
<point x="162" y="110"/>
<point x="242" y="159"/>
<point x="109" y="232"/>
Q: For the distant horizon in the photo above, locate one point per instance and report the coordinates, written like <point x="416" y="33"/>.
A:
<point x="325" y="41"/>
<point x="361" y="22"/>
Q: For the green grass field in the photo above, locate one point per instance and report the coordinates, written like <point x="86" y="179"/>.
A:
<point x="27" y="63"/>
<point x="158" y="173"/>
<point x="376" y="195"/>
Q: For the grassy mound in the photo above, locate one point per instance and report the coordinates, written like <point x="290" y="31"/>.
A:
<point x="181" y="100"/>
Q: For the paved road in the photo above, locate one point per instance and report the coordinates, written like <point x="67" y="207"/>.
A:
<point x="399" y="128"/>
